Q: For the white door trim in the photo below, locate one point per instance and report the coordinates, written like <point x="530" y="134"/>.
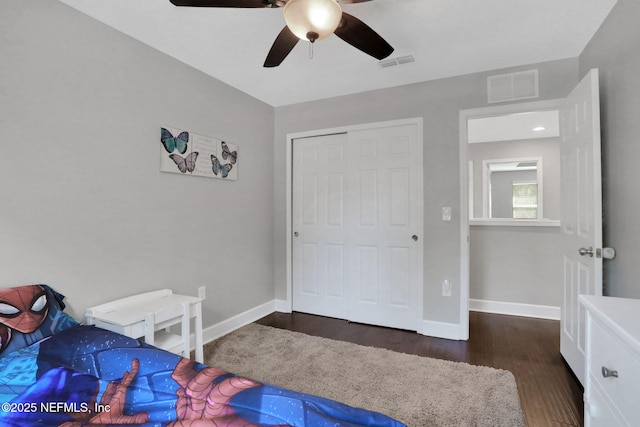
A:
<point x="465" y="115"/>
<point x="417" y="121"/>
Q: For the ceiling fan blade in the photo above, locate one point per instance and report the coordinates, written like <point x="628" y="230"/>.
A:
<point x="361" y="36"/>
<point x="228" y="3"/>
<point x="351" y="1"/>
<point x="281" y="47"/>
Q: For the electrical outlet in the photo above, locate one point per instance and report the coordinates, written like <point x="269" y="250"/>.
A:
<point x="446" y="288"/>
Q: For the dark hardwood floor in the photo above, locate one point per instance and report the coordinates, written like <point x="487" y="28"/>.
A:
<point x="529" y="348"/>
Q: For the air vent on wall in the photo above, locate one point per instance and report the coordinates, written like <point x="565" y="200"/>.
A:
<point x="390" y="62"/>
<point x="512" y="86"/>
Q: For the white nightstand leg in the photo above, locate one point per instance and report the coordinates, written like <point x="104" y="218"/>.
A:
<point x="198" y="333"/>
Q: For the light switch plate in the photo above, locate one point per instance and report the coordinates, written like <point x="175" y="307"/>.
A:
<point x="446" y="213"/>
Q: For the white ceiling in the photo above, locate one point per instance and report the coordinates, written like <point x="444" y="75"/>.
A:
<point x="446" y="38"/>
<point x="514" y="127"/>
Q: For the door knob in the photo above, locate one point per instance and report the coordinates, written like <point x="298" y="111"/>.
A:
<point x="585" y="251"/>
<point x="295" y="233"/>
<point x="415" y="238"/>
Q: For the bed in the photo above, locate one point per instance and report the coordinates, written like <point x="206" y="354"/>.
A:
<point x="55" y="371"/>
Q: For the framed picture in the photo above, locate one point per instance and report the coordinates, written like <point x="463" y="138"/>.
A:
<point x="188" y="153"/>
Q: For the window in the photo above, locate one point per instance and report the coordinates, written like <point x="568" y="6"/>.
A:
<point x="525" y="200"/>
<point x="512" y="188"/>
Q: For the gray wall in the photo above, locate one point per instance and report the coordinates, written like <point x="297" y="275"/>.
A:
<point x="516" y="264"/>
<point x="438" y="103"/>
<point x="615" y="51"/>
<point x="84" y="206"/>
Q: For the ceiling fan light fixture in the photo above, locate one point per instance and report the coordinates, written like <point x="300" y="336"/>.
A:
<point x="312" y="19"/>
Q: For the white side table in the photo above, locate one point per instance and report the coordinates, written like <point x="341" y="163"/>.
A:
<point x="127" y="315"/>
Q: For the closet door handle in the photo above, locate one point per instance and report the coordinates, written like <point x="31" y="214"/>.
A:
<point x="415" y="238"/>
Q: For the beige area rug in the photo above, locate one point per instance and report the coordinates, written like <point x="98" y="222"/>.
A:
<point x="418" y="391"/>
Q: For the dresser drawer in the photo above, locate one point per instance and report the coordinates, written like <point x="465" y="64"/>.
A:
<point x="607" y="351"/>
<point x="598" y="413"/>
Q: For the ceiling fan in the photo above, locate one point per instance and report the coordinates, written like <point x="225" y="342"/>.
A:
<point x="309" y="20"/>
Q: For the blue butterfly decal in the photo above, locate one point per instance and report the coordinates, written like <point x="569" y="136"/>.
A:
<point x="228" y="154"/>
<point x="185" y="164"/>
<point x="219" y="168"/>
<point x="172" y="143"/>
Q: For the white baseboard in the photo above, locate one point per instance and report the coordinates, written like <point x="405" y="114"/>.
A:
<point x="515" y="309"/>
<point x="283" y="306"/>
<point x="213" y="332"/>
<point x="450" y="331"/>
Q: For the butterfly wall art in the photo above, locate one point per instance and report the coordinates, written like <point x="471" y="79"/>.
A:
<point x="172" y="143"/>
<point x="220" y="169"/>
<point x="188" y="153"/>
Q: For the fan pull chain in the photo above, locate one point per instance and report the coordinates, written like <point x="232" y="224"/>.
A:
<point x="310" y="50"/>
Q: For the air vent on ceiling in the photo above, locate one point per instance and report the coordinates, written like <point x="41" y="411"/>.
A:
<point x="390" y="62"/>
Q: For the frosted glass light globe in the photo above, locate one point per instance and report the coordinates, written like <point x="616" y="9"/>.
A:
<point x="312" y="19"/>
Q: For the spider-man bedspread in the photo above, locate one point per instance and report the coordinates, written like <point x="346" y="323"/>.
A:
<point x="56" y="372"/>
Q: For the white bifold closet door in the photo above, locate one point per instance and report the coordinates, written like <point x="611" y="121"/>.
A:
<point x="357" y="224"/>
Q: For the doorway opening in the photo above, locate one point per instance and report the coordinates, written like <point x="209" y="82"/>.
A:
<point x="504" y="198"/>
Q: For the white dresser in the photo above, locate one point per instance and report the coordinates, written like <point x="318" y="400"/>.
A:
<point x="612" y="377"/>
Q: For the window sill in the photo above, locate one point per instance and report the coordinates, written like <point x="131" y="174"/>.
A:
<point x="506" y="222"/>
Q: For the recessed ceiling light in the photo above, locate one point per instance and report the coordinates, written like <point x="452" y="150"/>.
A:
<point x="539" y="128"/>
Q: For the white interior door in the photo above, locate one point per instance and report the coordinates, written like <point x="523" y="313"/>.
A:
<point x="582" y="213"/>
<point x="357" y="225"/>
